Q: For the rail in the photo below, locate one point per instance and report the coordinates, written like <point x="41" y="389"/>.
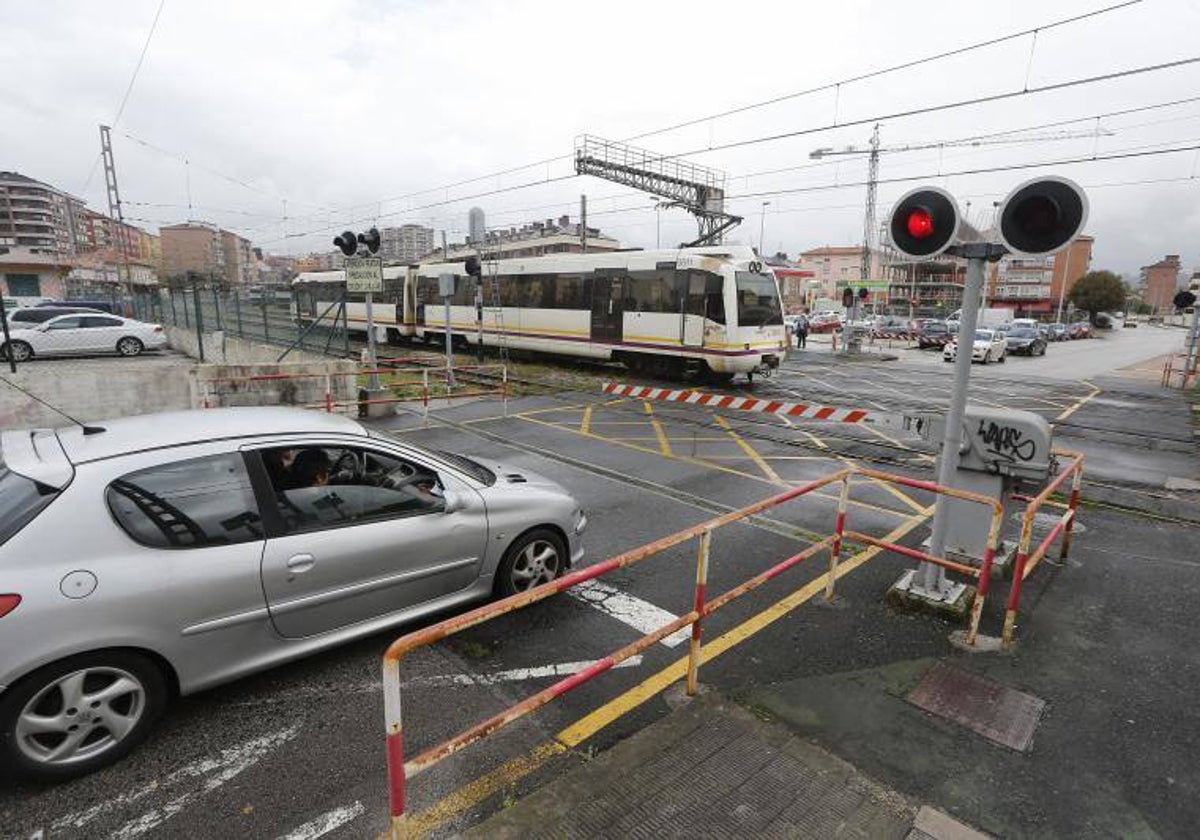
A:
<point x="408" y="384"/>
<point x="401" y="770"/>
<point x="1026" y="561"/>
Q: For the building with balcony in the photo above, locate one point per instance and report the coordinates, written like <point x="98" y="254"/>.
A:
<point x="405" y="244"/>
<point x="535" y="239"/>
<point x="1160" y="282"/>
<point x="39" y="217"/>
<point x="832" y="265"/>
<point x="208" y="252"/>
<point x="1034" y="286"/>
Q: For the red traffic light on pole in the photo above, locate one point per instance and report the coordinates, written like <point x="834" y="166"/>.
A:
<point x="847" y="297"/>
<point x="347" y="242"/>
<point x="1042" y="215"/>
<point x="924" y="223"/>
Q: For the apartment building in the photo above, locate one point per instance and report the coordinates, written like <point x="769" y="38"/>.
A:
<point x="39" y="217"/>
<point x="208" y="251"/>
<point x="405" y="244"/>
<point x="1160" y="282"/>
<point x="1034" y="286"/>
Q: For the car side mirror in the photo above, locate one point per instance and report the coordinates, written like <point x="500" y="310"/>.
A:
<point x="452" y="501"/>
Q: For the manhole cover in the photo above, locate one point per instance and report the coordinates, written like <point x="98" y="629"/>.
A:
<point x="997" y="712"/>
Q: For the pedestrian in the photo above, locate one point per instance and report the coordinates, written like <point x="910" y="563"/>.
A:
<point x="802" y="330"/>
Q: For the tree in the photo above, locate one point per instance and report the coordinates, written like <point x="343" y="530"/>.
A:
<point x="1098" y="291"/>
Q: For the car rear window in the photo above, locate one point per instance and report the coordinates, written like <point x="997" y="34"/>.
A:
<point x="21" y="499"/>
<point x="187" y="504"/>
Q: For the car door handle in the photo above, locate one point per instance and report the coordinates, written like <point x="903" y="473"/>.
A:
<point x="301" y="563"/>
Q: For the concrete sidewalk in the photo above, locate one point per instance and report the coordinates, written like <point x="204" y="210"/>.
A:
<point x="712" y="769"/>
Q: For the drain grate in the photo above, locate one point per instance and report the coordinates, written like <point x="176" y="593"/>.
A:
<point x="999" y="713"/>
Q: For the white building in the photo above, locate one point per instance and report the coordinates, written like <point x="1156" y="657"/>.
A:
<point x="405" y="244"/>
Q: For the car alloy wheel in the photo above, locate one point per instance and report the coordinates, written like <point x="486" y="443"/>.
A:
<point x="536" y="558"/>
<point x="20" y="351"/>
<point x="129" y="346"/>
<point x="79" y="714"/>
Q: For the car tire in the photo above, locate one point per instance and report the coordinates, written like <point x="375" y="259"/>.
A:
<point x="21" y="352"/>
<point x="1003" y="358"/>
<point x="46" y="694"/>
<point x="526" y="564"/>
<point x="130" y="346"/>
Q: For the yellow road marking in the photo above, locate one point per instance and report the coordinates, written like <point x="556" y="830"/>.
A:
<point x="1079" y="404"/>
<point x="816" y="440"/>
<point x="749" y="450"/>
<point x="885" y="436"/>
<point x="572" y="736"/>
<point x="664" y="445"/>
<point x="585" y="425"/>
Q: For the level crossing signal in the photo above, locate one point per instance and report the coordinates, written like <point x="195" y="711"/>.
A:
<point x="348" y="242"/>
<point x="924" y="223"/>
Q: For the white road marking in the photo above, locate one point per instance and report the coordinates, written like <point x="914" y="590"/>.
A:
<point x="326" y="823"/>
<point x="638" y="614"/>
<point x="229" y="764"/>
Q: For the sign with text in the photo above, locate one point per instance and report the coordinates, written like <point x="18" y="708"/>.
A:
<point x="364" y="274"/>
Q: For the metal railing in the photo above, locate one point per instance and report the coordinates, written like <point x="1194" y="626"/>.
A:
<point x="400" y="770"/>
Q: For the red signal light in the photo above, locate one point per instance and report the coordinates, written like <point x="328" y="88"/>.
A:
<point x="920" y="224"/>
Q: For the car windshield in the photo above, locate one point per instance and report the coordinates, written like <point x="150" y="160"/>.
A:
<point x="757" y="300"/>
<point x="936" y="328"/>
<point x="21" y="499"/>
<point x="1023" y="332"/>
<point x="983" y="335"/>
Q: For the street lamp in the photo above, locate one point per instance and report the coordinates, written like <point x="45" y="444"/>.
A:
<point x="762" y="221"/>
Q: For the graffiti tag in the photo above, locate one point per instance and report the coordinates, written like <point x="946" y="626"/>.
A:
<point x="1006" y="442"/>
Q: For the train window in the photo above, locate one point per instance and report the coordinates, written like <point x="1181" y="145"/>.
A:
<point x="569" y="292"/>
<point x="652" y="291"/>
<point x="757" y="300"/>
<point x="705" y="294"/>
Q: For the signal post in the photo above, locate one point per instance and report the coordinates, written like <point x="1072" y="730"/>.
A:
<point x="1038" y="218"/>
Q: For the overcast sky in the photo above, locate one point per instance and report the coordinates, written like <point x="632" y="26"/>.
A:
<point x="347" y="109"/>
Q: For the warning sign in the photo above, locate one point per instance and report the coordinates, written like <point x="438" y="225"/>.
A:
<point x="364" y="274"/>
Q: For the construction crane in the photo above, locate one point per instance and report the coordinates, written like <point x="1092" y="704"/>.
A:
<point x="697" y="189"/>
<point x="874" y="150"/>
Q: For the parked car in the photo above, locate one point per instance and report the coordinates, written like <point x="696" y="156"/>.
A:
<point x="1080" y="329"/>
<point x="31" y="315"/>
<point x="934" y="334"/>
<point x="109" y="306"/>
<point x="1057" y="332"/>
<point x="989" y="346"/>
<point x="170" y="553"/>
<point x="823" y="322"/>
<point x="83" y="333"/>
<point x="1025" y="340"/>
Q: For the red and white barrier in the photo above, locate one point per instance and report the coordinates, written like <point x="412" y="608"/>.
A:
<point x="813" y="412"/>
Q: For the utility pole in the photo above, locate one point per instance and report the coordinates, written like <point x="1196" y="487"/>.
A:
<point x="583" y="223"/>
<point x="869" y="210"/>
<point x="114" y="205"/>
<point x="762" y="223"/>
<point x="1062" y="289"/>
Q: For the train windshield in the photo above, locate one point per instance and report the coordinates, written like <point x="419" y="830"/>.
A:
<point x="757" y="300"/>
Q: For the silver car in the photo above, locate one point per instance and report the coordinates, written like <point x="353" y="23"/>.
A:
<point x="161" y="555"/>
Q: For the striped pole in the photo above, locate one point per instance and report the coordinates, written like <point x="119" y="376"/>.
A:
<point x="985" y="573"/>
<point x="1014" y="594"/>
<point x="1076" y="485"/>
<point x="838" y="530"/>
<point x="395" y="747"/>
<point x="698" y="606"/>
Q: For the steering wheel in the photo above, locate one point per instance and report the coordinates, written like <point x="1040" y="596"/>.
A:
<point x="346" y="468"/>
<point x="402" y="476"/>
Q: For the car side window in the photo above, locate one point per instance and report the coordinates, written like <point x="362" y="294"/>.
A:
<point x="66" y="324"/>
<point x="195" y="503"/>
<point x="101" y="321"/>
<point x="320" y="487"/>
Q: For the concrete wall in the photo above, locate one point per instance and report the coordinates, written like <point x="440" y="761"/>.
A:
<point x="90" y="390"/>
<point x="216" y="385"/>
<point x="226" y="349"/>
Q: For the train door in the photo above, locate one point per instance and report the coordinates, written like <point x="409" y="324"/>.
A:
<point x="693" y="309"/>
<point x="608" y="306"/>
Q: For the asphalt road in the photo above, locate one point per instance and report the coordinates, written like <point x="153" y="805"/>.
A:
<point x="298" y="751"/>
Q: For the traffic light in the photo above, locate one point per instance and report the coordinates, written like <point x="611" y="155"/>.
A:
<point x="1184" y="299"/>
<point x="348" y="242"/>
<point x="474" y="269"/>
<point x="370" y="239"/>
<point x="1042" y="215"/>
<point x="847" y="297"/>
<point x="924" y="222"/>
<point x="863" y="293"/>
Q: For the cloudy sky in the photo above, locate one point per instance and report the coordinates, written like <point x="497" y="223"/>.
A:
<point x="298" y="119"/>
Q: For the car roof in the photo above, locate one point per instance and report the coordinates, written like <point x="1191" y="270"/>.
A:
<point x="110" y="438"/>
